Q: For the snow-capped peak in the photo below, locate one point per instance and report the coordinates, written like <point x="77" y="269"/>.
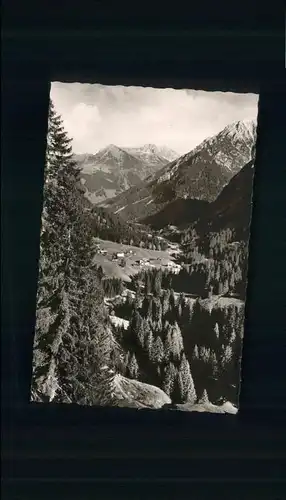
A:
<point x="146" y="149"/>
<point x="111" y="151"/>
<point x="241" y="127"/>
<point x="168" y="153"/>
<point x="149" y="149"/>
<point x="244" y="129"/>
<point x="238" y="136"/>
<point x="111" y="148"/>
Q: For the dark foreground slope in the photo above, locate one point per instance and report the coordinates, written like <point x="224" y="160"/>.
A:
<point x="232" y="208"/>
<point x="177" y="213"/>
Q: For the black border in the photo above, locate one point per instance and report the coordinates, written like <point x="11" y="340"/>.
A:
<point x="102" y="447"/>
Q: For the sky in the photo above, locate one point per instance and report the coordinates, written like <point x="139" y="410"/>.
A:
<point x="96" y="115"/>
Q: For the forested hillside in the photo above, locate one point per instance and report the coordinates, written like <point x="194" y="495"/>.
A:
<point x="71" y="339"/>
<point x="179" y="212"/>
<point x="140" y="315"/>
<point x="232" y="208"/>
<point x="109" y="226"/>
<point x="188" y="345"/>
<point x="74" y="347"/>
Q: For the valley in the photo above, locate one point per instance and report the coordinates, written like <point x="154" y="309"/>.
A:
<point x="123" y="261"/>
<point x="143" y="272"/>
<point x="175" y="299"/>
<point x="156" y="298"/>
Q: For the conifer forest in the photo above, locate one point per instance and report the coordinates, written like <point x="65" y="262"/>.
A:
<point x="143" y="307"/>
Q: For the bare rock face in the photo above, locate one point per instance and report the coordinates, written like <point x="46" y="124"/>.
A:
<point x="200" y="174"/>
<point x="203" y="407"/>
<point x="207" y="407"/>
<point x="113" y="170"/>
<point x="123" y="392"/>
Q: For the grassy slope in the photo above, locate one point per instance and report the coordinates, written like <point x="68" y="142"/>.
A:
<point x="112" y="268"/>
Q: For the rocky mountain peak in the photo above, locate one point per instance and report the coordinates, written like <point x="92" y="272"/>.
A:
<point x="112" y="151"/>
<point x="200" y="174"/>
<point x="113" y="169"/>
<point x="162" y="153"/>
<point x="241" y="128"/>
<point x="150" y="147"/>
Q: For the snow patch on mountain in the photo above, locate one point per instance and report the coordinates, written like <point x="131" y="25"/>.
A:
<point x="116" y="321"/>
<point x="111" y="150"/>
<point x="162" y="154"/>
<point x="200" y="174"/>
<point x="121" y="168"/>
<point x="140" y="201"/>
<point x="119" y="210"/>
<point x="241" y="135"/>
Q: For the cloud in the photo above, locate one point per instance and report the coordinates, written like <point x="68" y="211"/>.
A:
<point x="80" y="122"/>
<point x="96" y="115"/>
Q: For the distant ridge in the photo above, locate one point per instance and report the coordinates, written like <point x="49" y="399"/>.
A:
<point x="200" y="174"/>
<point x="113" y="169"/>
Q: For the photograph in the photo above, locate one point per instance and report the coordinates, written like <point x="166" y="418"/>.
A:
<point x="144" y="236"/>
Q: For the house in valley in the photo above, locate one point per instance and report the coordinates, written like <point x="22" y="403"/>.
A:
<point x="120" y="255"/>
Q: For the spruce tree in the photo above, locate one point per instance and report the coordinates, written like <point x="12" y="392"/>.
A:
<point x="178" y="339"/>
<point x="213" y="364"/>
<point x="179" y="311"/>
<point x="133" y="368"/>
<point x="137" y="301"/>
<point x="165" y="302"/>
<point x="128" y="303"/>
<point x="232" y="318"/>
<point x="188" y="392"/>
<point x="148" y="283"/>
<point x="126" y="361"/>
<point x="157" y="283"/>
<point x="232" y="281"/>
<point x="187" y="315"/>
<point x="204" y="354"/>
<point x="168" y="344"/>
<point x="156" y="309"/>
<point x="195" y="354"/>
<point x="216" y="331"/>
<point x="177" y="390"/>
<point x="141" y="333"/>
<point x="157" y="352"/>
<point x="71" y="338"/>
<point x="149" y="342"/>
<point x="135" y="324"/>
<point x="172" y="300"/>
<point x="227" y="355"/>
<point x="170" y="374"/>
<point x="220" y="288"/>
<point x="204" y="399"/>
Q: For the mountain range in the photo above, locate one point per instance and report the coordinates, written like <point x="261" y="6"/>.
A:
<point x="199" y="175"/>
<point x="113" y="170"/>
<point x="231" y="209"/>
